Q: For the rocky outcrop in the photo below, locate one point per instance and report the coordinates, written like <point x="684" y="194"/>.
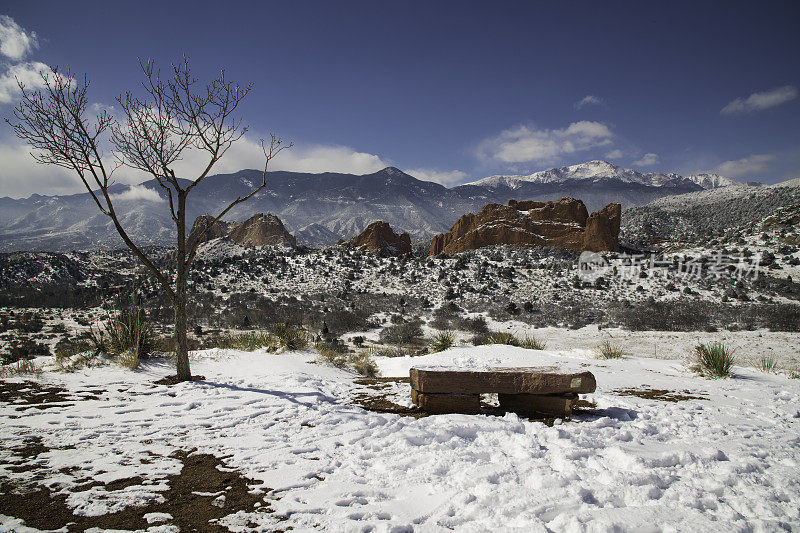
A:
<point x="262" y="230"/>
<point x="379" y="238"/>
<point x="564" y="223"/>
<point x="565" y="209"/>
<point x="602" y="229"/>
<point x="219" y="229"/>
<point x="259" y="230"/>
<point x="786" y="216"/>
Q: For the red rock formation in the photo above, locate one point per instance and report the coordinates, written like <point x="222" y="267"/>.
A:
<point x="379" y="238"/>
<point x="258" y="230"/>
<point x="602" y="229"/>
<point x="220" y="229"/>
<point x="564" y="223"/>
<point x="563" y="209"/>
<point x="262" y="230"/>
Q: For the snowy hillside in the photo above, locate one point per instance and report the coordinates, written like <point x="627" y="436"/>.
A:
<point x="730" y="213"/>
<point x="603" y="171"/>
<point x="654" y="444"/>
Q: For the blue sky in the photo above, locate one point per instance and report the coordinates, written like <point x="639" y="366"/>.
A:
<point x="450" y="91"/>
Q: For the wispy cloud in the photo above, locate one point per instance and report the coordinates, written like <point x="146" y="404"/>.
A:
<point x="746" y="167"/>
<point x="314" y="158"/>
<point x="443" y="177"/>
<point x="647" y="160"/>
<point x="328" y="158"/>
<point x="589" y="99"/>
<point x="762" y="100"/>
<point x="138" y="193"/>
<point x="15" y="42"/>
<point x="527" y="144"/>
<point x="614" y="154"/>
<point x="21" y="176"/>
<point x="30" y="74"/>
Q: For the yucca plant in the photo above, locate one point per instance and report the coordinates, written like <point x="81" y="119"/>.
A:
<point x="388" y="351"/>
<point x="532" y="343"/>
<point x="793" y="369"/>
<point x="21" y="367"/>
<point x="96" y="338"/>
<point x="129" y="336"/>
<point x="714" y="359"/>
<point x="126" y="334"/>
<point x="768" y="363"/>
<point x="442" y="341"/>
<point x="328" y="355"/>
<point x="76" y="354"/>
<point x="608" y="350"/>
<point x="289" y="337"/>
<point x="501" y="337"/>
<point x="363" y="363"/>
<point x="247" y="341"/>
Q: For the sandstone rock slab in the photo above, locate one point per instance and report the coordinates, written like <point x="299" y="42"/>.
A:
<point x="439" y="404"/>
<point x="549" y="404"/>
<point x="500" y="380"/>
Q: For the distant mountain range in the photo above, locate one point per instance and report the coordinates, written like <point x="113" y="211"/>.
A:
<point x="604" y="172"/>
<point x="319" y="209"/>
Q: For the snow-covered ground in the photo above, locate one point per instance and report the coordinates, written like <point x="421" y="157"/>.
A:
<point x="749" y="347"/>
<point x="726" y="461"/>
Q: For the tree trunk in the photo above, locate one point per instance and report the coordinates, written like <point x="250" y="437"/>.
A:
<point x="181" y="286"/>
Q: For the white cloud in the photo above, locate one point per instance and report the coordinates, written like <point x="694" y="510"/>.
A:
<point x="30" y="74"/>
<point x="745" y="167"/>
<point x="589" y="99"/>
<point x="21" y="176"/>
<point x="614" y="154"/>
<point x="525" y="144"/>
<point x="15" y="42"/>
<point x="447" y="178"/>
<point x="647" y="160"/>
<point x="760" y="101"/>
<point x="247" y="154"/>
<point x="322" y="158"/>
<point x="138" y="192"/>
<point x="97" y="108"/>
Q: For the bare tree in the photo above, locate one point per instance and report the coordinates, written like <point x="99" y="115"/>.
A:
<point x="176" y="114"/>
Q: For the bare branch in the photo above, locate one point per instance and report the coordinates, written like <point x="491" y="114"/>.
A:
<point x="174" y="114"/>
<point x="53" y="122"/>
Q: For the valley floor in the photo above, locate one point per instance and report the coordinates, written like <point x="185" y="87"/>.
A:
<point x="655" y="448"/>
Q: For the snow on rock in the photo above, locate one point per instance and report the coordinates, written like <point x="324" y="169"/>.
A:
<point x="727" y="462"/>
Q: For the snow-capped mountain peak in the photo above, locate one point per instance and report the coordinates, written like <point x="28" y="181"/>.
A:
<point x="712" y="181"/>
<point x="602" y="171"/>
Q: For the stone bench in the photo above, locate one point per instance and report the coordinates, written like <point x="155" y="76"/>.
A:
<point x="541" y="390"/>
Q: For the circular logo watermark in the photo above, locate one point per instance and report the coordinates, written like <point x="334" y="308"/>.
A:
<point x="591" y="266"/>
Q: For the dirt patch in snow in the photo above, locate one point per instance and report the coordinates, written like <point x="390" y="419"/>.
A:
<point x="380" y="404"/>
<point x="202" y="493"/>
<point x="34" y="395"/>
<point x="173" y="380"/>
<point x="380" y="400"/>
<point x="661" y="395"/>
<point x="31" y="394"/>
